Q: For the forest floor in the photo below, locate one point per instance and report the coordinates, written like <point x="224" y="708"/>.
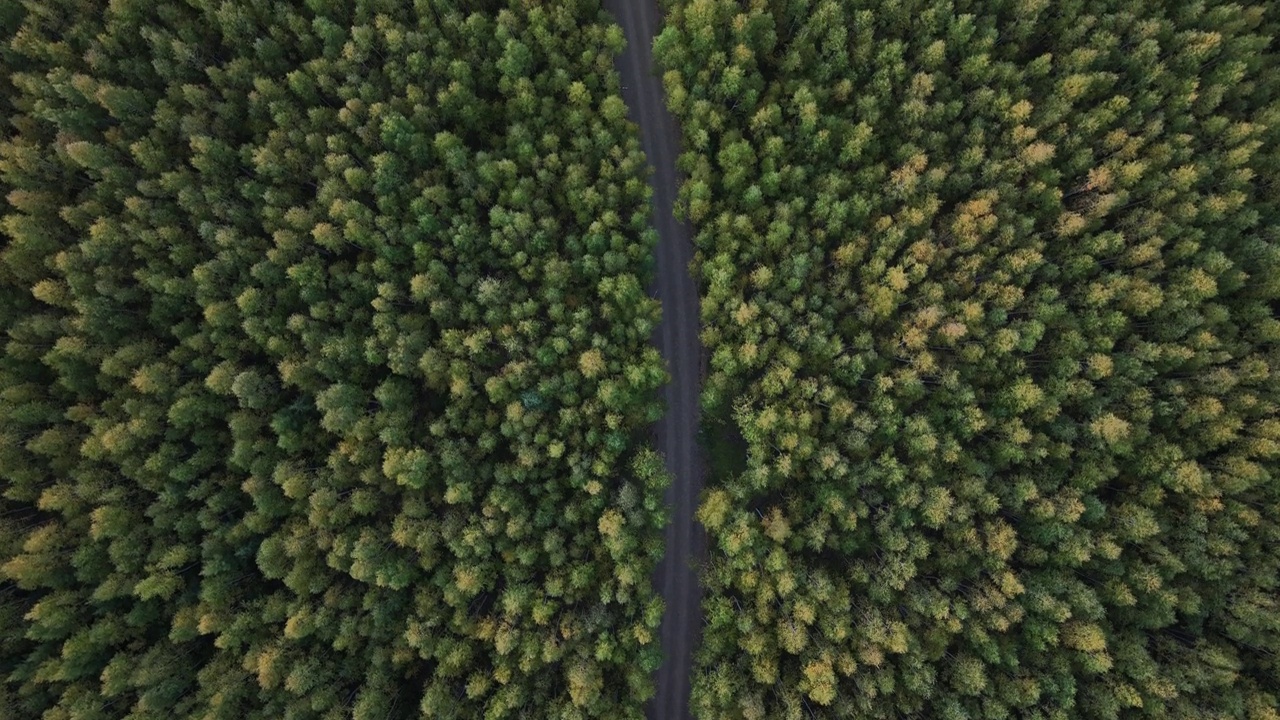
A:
<point x="677" y="337"/>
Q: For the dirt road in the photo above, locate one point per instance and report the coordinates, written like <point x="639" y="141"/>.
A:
<point x="677" y="337"/>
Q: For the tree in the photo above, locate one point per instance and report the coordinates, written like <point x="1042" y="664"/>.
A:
<point x="968" y="361"/>
<point x="301" y="367"/>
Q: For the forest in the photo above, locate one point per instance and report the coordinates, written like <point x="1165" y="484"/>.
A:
<point x="328" y="378"/>
<point x="325" y="383"/>
<point x="989" y="297"/>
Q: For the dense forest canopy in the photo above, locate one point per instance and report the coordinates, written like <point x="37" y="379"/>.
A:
<point x="325" y="369"/>
<point x="325" y="374"/>
<point x="990" y="296"/>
